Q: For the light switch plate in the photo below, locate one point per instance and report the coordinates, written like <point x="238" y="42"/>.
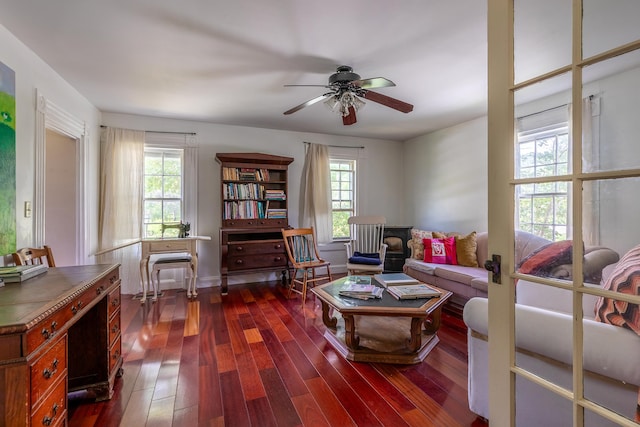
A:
<point x="27" y="209"/>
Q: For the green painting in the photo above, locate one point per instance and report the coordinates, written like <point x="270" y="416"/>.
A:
<point x="7" y="160"/>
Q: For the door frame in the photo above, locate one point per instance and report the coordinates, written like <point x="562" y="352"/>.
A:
<point x="52" y="117"/>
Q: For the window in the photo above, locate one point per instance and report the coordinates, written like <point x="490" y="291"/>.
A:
<point x="163" y="191"/>
<point x="542" y="208"/>
<point x="343" y="174"/>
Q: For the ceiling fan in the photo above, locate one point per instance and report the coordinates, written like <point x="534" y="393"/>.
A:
<point x="345" y="90"/>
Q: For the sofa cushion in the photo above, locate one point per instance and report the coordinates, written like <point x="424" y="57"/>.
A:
<point x="466" y="247"/>
<point x="543" y="260"/>
<point x="416" y="240"/>
<point x="458" y="273"/>
<point x="625" y="278"/>
<point x="440" y="251"/>
<point x="419" y="265"/>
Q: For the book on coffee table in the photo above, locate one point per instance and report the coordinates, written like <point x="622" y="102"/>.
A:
<point x="416" y="291"/>
<point x="395" y="279"/>
<point x="355" y="290"/>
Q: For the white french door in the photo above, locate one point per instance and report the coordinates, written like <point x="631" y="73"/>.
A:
<point x="582" y="55"/>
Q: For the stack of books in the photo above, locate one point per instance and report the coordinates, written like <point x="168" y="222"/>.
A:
<point x="360" y="287"/>
<point x="415" y="291"/>
<point x="18" y="273"/>
<point x="395" y="279"/>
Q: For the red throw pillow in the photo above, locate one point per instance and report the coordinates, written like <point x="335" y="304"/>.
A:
<point x="440" y="251"/>
<point x="544" y="259"/>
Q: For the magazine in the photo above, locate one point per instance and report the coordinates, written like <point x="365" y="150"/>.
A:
<point x="361" y="291"/>
<point x="395" y="279"/>
<point x="359" y="280"/>
<point x="413" y="291"/>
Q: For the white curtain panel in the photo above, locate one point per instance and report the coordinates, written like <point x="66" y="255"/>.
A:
<point x="121" y="194"/>
<point x="316" y="197"/>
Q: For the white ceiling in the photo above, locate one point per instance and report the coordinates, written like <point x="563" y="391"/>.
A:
<point x="227" y="61"/>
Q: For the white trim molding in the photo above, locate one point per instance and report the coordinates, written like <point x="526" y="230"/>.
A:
<point x="50" y="116"/>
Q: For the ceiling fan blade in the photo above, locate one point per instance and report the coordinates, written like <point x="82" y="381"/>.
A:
<point x="306" y="104"/>
<point x="387" y="101"/>
<point x="351" y="118"/>
<point x="373" y="83"/>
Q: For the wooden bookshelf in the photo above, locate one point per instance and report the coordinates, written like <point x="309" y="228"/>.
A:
<point x="254" y="210"/>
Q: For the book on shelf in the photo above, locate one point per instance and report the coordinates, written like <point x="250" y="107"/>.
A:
<point x="416" y="291"/>
<point x="18" y="273"/>
<point x="395" y="279"/>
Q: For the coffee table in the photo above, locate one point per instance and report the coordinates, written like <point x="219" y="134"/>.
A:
<point x="380" y="330"/>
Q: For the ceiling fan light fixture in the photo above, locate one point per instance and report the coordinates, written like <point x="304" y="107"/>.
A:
<point x="333" y="103"/>
<point x="348" y="99"/>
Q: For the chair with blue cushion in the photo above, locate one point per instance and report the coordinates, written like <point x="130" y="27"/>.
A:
<point x="303" y="254"/>
<point x="366" y="249"/>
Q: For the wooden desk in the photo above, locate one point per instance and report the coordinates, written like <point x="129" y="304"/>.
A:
<point x="167" y="246"/>
<point x="59" y="332"/>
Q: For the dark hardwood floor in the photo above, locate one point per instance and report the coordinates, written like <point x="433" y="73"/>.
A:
<point x="256" y="358"/>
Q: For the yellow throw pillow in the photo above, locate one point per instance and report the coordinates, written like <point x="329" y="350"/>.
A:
<point x="466" y="247"/>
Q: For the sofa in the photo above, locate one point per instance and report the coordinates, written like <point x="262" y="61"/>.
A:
<point x="469" y="279"/>
<point x="544" y="320"/>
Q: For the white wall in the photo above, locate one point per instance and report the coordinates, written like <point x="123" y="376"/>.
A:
<point x="445" y="178"/>
<point x="379" y="167"/>
<point x="34" y="74"/>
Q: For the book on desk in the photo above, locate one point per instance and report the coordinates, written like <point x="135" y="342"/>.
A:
<point x="18" y="273"/>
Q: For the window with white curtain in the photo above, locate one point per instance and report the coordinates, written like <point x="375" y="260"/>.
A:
<point x="163" y="181"/>
<point x="170" y="183"/>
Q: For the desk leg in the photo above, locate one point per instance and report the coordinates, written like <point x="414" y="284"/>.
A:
<point x="144" y="278"/>
<point x="191" y="286"/>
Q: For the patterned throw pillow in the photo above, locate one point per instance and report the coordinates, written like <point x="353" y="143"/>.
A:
<point x="440" y="251"/>
<point x="546" y="258"/>
<point x="416" y="240"/>
<point x="466" y="247"/>
<point x="625" y="278"/>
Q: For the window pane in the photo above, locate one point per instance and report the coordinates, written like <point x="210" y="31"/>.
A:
<point x="153" y="163"/>
<point x="152" y="211"/>
<point x="171" y="210"/>
<point x="609" y="24"/>
<point x="172" y="164"/>
<point x="172" y="187"/>
<point x="342" y="195"/>
<point x="152" y="187"/>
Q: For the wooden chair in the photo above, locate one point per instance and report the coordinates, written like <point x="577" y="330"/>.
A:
<point x="367" y="240"/>
<point x="303" y="254"/>
<point x="32" y="256"/>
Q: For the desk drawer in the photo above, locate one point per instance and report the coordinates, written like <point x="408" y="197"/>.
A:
<point x="170" y="246"/>
<point x="256" y="247"/>
<point x="115" y="354"/>
<point x="114" y="329"/>
<point x="113" y="301"/>
<point x="47" y="369"/>
<point x="53" y="408"/>
<point x="257" y="261"/>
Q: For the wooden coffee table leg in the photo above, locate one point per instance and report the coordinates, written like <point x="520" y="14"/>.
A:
<point x="432" y="323"/>
<point x="329" y="322"/>
<point x="350" y="338"/>
<point x="415" y="341"/>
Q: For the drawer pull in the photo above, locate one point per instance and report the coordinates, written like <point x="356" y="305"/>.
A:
<point x="99" y="290"/>
<point x="239" y="262"/>
<point x="76" y="308"/>
<point x="112" y="279"/>
<point x="48" y="373"/>
<point x="116" y="355"/>
<point x="115" y="302"/>
<point x="239" y="249"/>
<point x="115" y="328"/>
<point x="278" y="246"/>
<point x="54" y="325"/>
<point x="46" y="334"/>
<point x="48" y="420"/>
<point x="278" y="258"/>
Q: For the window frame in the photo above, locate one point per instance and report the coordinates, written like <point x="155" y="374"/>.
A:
<point x="532" y="136"/>
<point x="353" y="171"/>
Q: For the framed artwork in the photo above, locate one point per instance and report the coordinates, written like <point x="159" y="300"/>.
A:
<point x="7" y="160"/>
